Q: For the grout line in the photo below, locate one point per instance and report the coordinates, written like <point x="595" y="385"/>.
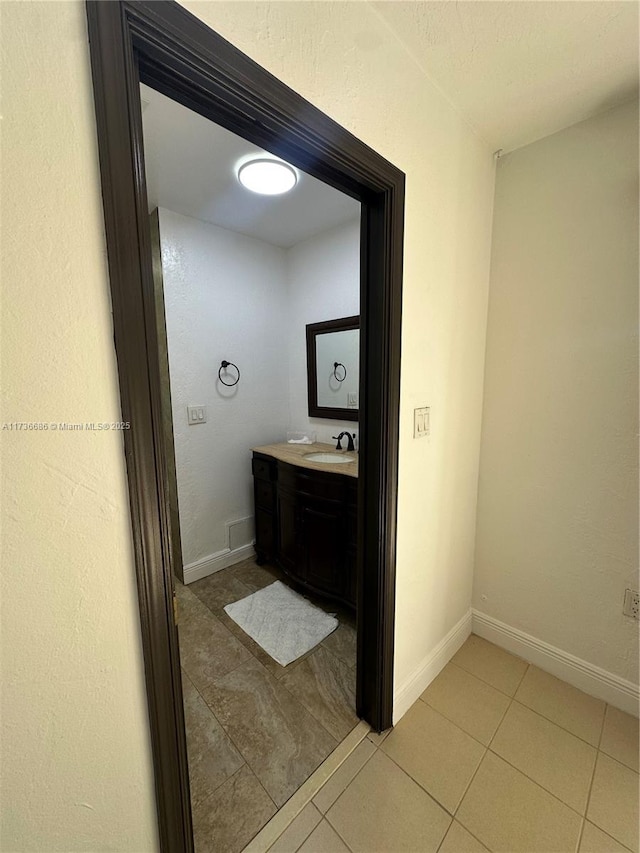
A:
<point x="236" y="747"/>
<point x="593" y="776"/>
<point x="555" y="723"/>
<point x="536" y="783"/>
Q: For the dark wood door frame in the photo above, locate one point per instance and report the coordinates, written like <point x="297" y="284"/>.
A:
<point x="164" y="46"/>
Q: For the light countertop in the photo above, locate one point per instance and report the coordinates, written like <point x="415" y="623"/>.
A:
<point x="294" y="454"/>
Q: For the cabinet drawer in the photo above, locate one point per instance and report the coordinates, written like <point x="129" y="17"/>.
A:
<point x="263" y="469"/>
<point x="332" y="487"/>
<point x="264" y="493"/>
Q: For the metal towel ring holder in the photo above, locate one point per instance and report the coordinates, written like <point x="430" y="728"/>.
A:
<point x="336" y="365"/>
<point x="223" y="366"/>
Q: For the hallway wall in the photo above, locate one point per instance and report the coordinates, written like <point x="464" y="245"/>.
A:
<point x="557" y="540"/>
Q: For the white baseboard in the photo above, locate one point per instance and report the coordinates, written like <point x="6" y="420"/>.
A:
<point x="435" y="661"/>
<point x="216" y="562"/>
<point x="585" y="676"/>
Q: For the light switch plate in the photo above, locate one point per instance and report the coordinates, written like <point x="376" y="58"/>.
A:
<point x="196" y="415"/>
<point x="421" y="424"/>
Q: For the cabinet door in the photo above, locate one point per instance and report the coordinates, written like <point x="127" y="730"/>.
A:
<point x="289" y="533"/>
<point x="265" y="544"/>
<point x="323" y="532"/>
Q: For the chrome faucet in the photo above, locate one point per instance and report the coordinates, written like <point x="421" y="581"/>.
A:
<point x="350" y="444"/>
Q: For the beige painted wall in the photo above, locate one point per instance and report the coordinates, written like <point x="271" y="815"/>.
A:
<point x="75" y="754"/>
<point x="557" y="539"/>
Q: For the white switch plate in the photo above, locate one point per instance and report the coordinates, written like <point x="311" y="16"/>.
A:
<point x="421" y="422"/>
<point x="196" y="415"/>
<point x="352" y="399"/>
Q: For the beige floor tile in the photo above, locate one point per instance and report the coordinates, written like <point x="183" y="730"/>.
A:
<point x="491" y="664"/>
<point x="227" y="820"/>
<point x="326" y="687"/>
<point x="324" y="839"/>
<point x="298" y="830"/>
<point x="278" y="738"/>
<point x="563" y="704"/>
<point x="383" y="810"/>
<point x="594" y="840"/>
<point x="472" y="704"/>
<point x="551" y="756"/>
<point x="458" y="840"/>
<point x="511" y="814"/>
<point x="438" y="755"/>
<point x="335" y="785"/>
<point x="620" y="737"/>
<point x="613" y="805"/>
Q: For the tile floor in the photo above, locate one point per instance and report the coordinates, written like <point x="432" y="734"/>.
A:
<point x="255" y="730"/>
<point x="496" y="755"/>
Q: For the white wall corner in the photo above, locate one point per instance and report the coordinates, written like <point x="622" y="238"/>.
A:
<point x="216" y="562"/>
<point x="428" y="669"/>
<point x="580" y="673"/>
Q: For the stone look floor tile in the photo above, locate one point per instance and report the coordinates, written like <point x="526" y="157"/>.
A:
<point x="219" y="589"/>
<point x="255" y="577"/>
<point x="298" y="830"/>
<point x="509" y="813"/>
<point x="212" y="757"/>
<point x="227" y="820"/>
<point x="279" y="739"/>
<point x="563" y="704"/>
<point x="458" y="840"/>
<point x="594" y="840"/>
<point x="620" y="737"/>
<point x="347" y="771"/>
<point x="471" y="704"/>
<point x="438" y="755"/>
<point x="613" y="806"/>
<point x="324" y="839"/>
<point x="491" y="664"/>
<point x="327" y="688"/>
<point x="383" y="810"/>
<point x="551" y="756"/>
<point x="342" y="643"/>
<point x="207" y="649"/>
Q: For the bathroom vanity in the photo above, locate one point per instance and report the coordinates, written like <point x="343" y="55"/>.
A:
<point x="306" y="516"/>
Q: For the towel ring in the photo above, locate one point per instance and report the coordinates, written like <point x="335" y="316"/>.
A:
<point x="336" y="365"/>
<point x="223" y="366"/>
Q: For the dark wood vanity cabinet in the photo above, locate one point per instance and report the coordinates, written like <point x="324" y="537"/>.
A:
<point x="306" y="524"/>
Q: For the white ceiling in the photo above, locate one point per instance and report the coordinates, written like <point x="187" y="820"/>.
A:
<point x="190" y="165"/>
<point x="521" y="70"/>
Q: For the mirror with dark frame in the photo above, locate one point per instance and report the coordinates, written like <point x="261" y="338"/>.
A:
<point x="333" y="369"/>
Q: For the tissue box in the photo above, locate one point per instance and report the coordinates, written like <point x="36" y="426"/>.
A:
<point x="300" y="436"/>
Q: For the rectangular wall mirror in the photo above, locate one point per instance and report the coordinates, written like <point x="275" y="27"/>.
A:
<point x="333" y="369"/>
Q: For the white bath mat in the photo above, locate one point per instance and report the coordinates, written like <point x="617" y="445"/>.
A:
<point x="284" y="623"/>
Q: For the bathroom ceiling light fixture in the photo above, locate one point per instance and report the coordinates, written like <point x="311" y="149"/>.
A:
<point x="267" y="177"/>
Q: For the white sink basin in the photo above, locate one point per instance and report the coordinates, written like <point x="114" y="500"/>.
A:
<point x="329" y="458"/>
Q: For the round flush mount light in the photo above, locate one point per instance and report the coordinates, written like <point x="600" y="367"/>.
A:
<point x="267" y="177"/>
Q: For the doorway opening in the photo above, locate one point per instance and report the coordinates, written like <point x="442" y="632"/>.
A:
<point x="168" y="49"/>
<point x="264" y="505"/>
